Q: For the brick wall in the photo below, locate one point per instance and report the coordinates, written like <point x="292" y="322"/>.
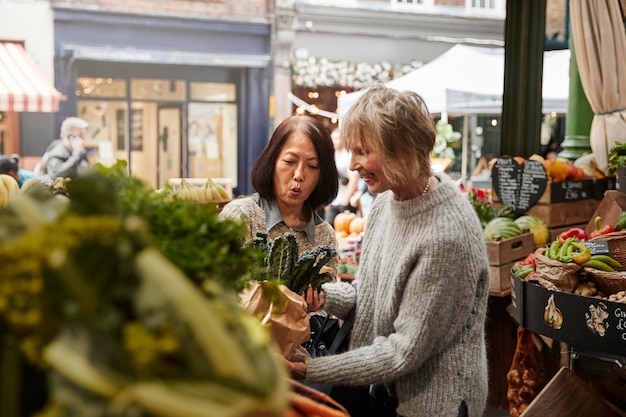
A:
<point x="249" y="9"/>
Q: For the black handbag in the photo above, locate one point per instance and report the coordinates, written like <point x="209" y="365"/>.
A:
<point x="328" y="336"/>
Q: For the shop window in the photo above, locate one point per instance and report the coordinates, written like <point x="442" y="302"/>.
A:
<point x="212" y="140"/>
<point x="100" y="87"/>
<point x="106" y="139"/>
<point x="157" y="89"/>
<point x="213" y="92"/>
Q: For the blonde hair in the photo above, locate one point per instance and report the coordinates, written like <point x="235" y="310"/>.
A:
<point x="397" y="127"/>
<point x="71" y="124"/>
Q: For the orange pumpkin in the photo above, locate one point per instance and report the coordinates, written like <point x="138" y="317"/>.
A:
<point x="342" y="221"/>
<point x="357" y="225"/>
<point x="519" y="159"/>
<point x="557" y="170"/>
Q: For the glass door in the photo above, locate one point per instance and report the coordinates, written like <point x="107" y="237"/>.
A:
<point x="169" y="144"/>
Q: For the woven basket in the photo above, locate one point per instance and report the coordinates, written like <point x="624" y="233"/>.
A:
<point x="617" y="246"/>
<point x="608" y="282"/>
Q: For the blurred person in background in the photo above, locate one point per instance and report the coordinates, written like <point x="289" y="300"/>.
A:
<point x="348" y="182"/>
<point x="67" y="156"/>
<point x="10" y="165"/>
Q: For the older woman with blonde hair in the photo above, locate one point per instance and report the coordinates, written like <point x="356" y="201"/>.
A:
<point x="421" y="289"/>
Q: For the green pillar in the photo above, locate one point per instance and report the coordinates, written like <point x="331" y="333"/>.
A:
<point x="579" y="114"/>
<point x="524" y="38"/>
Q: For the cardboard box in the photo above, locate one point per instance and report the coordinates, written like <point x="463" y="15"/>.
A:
<point x="611" y="206"/>
<point x="565" y="214"/>
<point x="584" y="322"/>
<point x="500" y="279"/>
<point x="566" y="394"/>
<point x="511" y="249"/>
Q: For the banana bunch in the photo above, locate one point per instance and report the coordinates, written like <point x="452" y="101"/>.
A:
<point x="209" y="192"/>
<point x="9" y="188"/>
<point x="214" y="192"/>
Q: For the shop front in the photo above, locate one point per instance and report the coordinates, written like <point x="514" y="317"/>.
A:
<point x="23" y="88"/>
<point x="175" y="97"/>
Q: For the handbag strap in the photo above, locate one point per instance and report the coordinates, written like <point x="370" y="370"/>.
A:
<point x="342" y="333"/>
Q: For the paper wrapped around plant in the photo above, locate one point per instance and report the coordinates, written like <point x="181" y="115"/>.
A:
<point x="91" y="294"/>
<point x="280" y="276"/>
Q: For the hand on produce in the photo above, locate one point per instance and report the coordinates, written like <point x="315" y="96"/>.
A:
<point x="314" y="299"/>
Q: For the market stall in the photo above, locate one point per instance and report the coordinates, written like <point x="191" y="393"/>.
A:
<point x="581" y="320"/>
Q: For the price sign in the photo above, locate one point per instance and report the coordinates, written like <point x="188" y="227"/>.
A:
<point x="519" y="186"/>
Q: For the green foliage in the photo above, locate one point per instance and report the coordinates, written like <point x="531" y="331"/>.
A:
<point x="485" y="209"/>
<point x="189" y="234"/>
<point x="617" y="157"/>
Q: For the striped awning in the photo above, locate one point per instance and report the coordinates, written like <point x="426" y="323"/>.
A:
<point x="22" y="86"/>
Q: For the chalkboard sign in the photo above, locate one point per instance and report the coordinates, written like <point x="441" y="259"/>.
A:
<point x="571" y="190"/>
<point x="519" y="186"/>
<point x="598" y="247"/>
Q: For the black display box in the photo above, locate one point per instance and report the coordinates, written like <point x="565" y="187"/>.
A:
<point x="584" y="322"/>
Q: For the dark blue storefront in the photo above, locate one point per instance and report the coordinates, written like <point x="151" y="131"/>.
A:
<point x="106" y="45"/>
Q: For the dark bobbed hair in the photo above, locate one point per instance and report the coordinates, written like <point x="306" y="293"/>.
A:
<point x="262" y="174"/>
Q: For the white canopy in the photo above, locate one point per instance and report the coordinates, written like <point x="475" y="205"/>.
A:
<point x="470" y="80"/>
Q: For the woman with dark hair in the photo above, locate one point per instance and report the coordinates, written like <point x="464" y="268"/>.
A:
<point x="294" y="176"/>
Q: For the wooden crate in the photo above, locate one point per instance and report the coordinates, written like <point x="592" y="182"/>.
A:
<point x="568" y="395"/>
<point x="611" y="206"/>
<point x="512" y="249"/>
<point x="565" y="214"/>
<point x="500" y="279"/>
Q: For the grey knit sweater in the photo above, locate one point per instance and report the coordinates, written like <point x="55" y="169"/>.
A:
<point x="421" y="298"/>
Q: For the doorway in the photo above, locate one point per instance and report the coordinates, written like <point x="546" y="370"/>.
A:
<point x="169" y="154"/>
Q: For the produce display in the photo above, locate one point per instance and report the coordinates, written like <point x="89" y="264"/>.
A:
<point x="209" y="192"/>
<point x="121" y="321"/>
<point x="536" y="226"/>
<point x="523" y="378"/>
<point x="501" y="228"/>
<point x="562" y="169"/>
<point x="9" y="188"/>
<point x="567" y="264"/>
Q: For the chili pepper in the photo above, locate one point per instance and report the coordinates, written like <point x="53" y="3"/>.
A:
<point x="522" y="271"/>
<point x="565" y="253"/>
<point x="621" y="221"/>
<point x="553" y="251"/>
<point x="580" y="252"/>
<point x="613" y="263"/>
<point x="576" y="232"/>
<point x="597" y="265"/>
<point x="532" y="275"/>
<point x="607" y="228"/>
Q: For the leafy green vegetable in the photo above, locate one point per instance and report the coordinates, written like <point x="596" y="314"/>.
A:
<point x="280" y="262"/>
<point x="617" y="157"/>
<point x="188" y="233"/>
